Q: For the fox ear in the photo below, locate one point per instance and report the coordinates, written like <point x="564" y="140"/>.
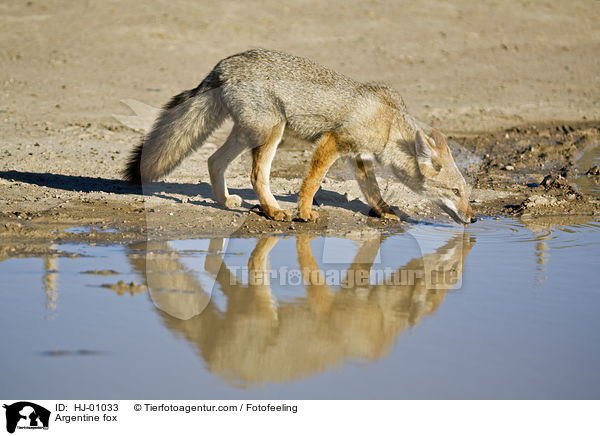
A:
<point x="439" y="140"/>
<point x="427" y="155"/>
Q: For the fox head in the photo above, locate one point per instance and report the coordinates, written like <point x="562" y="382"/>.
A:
<point x="441" y="180"/>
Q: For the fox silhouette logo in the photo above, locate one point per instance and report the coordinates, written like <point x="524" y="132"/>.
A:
<point x="24" y="414"/>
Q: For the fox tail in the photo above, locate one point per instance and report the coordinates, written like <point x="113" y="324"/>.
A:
<point x="182" y="126"/>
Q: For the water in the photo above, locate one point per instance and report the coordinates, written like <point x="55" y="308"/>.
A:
<point x="588" y="158"/>
<point x="88" y="229"/>
<point x="505" y="309"/>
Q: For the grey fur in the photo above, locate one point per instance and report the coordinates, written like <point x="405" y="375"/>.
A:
<point x="312" y="99"/>
<point x="265" y="91"/>
<point x="182" y="126"/>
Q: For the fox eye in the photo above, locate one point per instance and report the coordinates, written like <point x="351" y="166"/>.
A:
<point x="456" y="192"/>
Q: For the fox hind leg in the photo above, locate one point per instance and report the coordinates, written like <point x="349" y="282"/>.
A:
<point x="365" y="175"/>
<point x="262" y="157"/>
<point x="236" y="143"/>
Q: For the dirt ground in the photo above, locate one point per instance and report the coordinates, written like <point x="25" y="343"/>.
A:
<point x="514" y="83"/>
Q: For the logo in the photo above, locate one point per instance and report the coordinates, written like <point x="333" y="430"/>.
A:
<point x="26" y="415"/>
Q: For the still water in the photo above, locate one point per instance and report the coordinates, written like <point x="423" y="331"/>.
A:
<point x="503" y="309"/>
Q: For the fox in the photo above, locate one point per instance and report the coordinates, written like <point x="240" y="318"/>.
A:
<point x="270" y="95"/>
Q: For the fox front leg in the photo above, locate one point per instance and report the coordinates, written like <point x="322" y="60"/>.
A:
<point x="325" y="155"/>
<point x="365" y="175"/>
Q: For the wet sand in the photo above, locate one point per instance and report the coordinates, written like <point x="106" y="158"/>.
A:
<point x="493" y="77"/>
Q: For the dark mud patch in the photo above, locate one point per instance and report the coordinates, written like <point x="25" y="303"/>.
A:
<point x="538" y="168"/>
<point x="101" y="272"/>
<point x="122" y="288"/>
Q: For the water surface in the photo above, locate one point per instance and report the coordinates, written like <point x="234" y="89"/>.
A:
<point x="503" y="309"/>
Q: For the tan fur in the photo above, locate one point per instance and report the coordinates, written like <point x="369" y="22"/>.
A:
<point x="365" y="176"/>
<point x="270" y="95"/>
<point x="252" y="338"/>
<point x="324" y="156"/>
<point x="261" y="168"/>
<point x="318" y="293"/>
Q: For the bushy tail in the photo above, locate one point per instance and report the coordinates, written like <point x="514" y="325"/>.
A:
<point x="182" y="126"/>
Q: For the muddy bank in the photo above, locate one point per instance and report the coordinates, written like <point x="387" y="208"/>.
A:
<point x="541" y="170"/>
<point x="81" y="82"/>
<point x="537" y="170"/>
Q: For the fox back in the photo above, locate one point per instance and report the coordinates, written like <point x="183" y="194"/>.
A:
<point x="312" y="99"/>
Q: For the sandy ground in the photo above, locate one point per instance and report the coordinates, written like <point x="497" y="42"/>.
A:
<point x="475" y="70"/>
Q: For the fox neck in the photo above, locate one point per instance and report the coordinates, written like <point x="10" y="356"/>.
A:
<point x="399" y="153"/>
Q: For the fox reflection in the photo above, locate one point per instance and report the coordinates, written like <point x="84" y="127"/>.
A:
<point x="256" y="339"/>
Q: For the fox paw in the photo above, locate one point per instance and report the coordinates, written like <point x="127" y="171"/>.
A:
<point x="279" y="215"/>
<point x="310" y="215"/>
<point x="233" y="201"/>
<point x="387" y="214"/>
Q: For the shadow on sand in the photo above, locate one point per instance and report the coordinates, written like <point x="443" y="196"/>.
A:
<point x="85" y="184"/>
